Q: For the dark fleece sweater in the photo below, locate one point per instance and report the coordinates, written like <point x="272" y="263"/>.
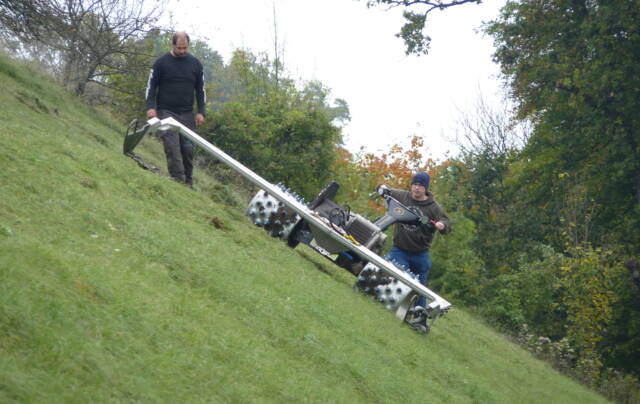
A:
<point x="176" y="79"/>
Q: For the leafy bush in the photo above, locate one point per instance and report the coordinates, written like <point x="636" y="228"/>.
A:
<point x="457" y="271"/>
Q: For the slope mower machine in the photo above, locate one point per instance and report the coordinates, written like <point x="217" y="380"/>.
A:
<point x="346" y="238"/>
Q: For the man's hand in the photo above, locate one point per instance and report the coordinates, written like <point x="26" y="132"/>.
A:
<point x="152" y="113"/>
<point x="383" y="190"/>
<point x="431" y="224"/>
<point x="427" y="223"/>
<point x="199" y="120"/>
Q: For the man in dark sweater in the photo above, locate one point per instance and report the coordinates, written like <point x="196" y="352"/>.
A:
<point x="411" y="242"/>
<point x="175" y="78"/>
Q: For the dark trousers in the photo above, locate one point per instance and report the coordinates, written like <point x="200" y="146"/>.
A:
<point x="177" y="148"/>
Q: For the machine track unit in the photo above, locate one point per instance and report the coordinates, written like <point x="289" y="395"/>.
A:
<point x="348" y="239"/>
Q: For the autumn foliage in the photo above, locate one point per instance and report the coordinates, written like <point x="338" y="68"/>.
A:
<point x="359" y="174"/>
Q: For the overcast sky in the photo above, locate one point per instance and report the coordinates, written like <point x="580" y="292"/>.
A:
<point x="353" y="50"/>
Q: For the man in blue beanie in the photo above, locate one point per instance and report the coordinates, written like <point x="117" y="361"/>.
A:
<point x="411" y="242"/>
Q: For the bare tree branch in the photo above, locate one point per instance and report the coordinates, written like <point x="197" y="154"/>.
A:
<point x="412" y="32"/>
<point x="88" y="34"/>
<point x="489" y="129"/>
<point x="430" y="5"/>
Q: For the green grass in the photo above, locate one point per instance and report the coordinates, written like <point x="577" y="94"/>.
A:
<point x="119" y="285"/>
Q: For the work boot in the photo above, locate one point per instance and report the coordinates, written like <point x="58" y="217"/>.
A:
<point x="417" y="319"/>
<point x="420" y="326"/>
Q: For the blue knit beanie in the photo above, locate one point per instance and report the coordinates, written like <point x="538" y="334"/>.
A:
<point x="421" y="178"/>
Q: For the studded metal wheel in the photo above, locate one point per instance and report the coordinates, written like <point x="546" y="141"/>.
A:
<point x="267" y="212"/>
<point x="393" y="294"/>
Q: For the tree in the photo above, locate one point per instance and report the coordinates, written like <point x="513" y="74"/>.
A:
<point x="573" y="67"/>
<point x="87" y="35"/>
<point x="316" y="95"/>
<point x="359" y="174"/>
<point x="486" y="127"/>
<point x="489" y="142"/>
<point x="283" y="132"/>
<point x="412" y="32"/>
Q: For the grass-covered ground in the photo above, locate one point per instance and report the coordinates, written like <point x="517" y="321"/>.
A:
<point x="119" y="285"/>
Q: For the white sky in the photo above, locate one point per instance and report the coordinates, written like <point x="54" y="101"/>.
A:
<point x="353" y="50"/>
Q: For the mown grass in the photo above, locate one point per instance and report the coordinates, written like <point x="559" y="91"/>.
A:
<point x="119" y="285"/>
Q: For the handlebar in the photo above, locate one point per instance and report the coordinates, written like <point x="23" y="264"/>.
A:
<point x="396" y="212"/>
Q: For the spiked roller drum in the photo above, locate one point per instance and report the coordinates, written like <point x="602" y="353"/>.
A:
<point x="269" y="213"/>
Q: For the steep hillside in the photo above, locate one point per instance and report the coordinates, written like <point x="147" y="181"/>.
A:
<point x="119" y="285"/>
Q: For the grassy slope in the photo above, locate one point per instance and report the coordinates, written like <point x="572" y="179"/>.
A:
<point x="117" y="284"/>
